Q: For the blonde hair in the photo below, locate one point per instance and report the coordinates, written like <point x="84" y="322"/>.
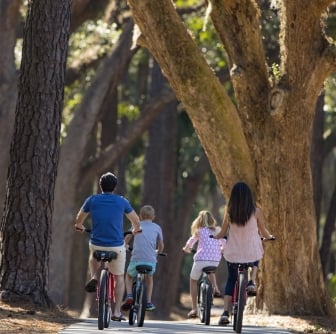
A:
<point x="204" y="219"/>
<point x="147" y="212"/>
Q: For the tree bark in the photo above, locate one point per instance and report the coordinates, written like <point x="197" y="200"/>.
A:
<point x="9" y="21"/>
<point x="266" y="140"/>
<point x="26" y="223"/>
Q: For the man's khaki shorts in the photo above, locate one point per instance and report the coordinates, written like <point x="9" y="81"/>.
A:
<point x="117" y="266"/>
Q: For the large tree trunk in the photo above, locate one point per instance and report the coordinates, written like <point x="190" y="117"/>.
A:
<point x="26" y="224"/>
<point x="266" y="139"/>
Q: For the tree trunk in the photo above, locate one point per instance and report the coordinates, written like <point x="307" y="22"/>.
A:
<point x="159" y="190"/>
<point x="9" y="21"/>
<point x="26" y="224"/>
<point x="266" y="139"/>
<point x="317" y="159"/>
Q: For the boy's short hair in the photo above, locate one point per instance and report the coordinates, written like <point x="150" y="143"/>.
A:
<point x="147" y="212"/>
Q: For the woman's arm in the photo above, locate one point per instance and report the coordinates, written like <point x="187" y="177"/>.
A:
<point x="224" y="228"/>
<point x="261" y="224"/>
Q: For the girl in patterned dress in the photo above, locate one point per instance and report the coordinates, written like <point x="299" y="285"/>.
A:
<point x="209" y="253"/>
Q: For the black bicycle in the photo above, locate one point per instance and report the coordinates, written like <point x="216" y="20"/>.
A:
<point x="138" y="308"/>
<point x="205" y="295"/>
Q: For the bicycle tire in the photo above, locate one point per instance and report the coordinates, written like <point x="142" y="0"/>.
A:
<point x="132" y="310"/>
<point x="201" y="300"/>
<point x="141" y="307"/>
<point x="108" y="303"/>
<point x="207" y="303"/>
<point x="102" y="299"/>
<point x="241" y="302"/>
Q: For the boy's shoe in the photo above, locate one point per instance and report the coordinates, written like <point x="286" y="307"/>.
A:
<point x="127" y="303"/>
<point x="251" y="289"/>
<point x="150" y="307"/>
<point x="224" y="319"/>
<point x="91" y="286"/>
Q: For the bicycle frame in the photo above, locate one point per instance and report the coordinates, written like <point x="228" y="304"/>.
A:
<point x="109" y="288"/>
<point x="239" y="296"/>
<point x="105" y="289"/>
<point x="138" y="308"/>
<point x="205" y="295"/>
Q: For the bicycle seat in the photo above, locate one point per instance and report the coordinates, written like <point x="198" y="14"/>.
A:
<point x="210" y="269"/>
<point x="105" y="255"/>
<point x="143" y="268"/>
<point x="242" y="265"/>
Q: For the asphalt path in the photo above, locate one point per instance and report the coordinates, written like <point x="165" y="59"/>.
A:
<point x="89" y="326"/>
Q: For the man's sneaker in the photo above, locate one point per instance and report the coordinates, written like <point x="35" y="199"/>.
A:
<point x="224" y="319"/>
<point x="150" y="307"/>
<point x="251" y="289"/>
<point x="127" y="303"/>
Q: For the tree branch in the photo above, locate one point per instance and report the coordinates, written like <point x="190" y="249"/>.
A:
<point x="204" y="98"/>
<point x="114" y="151"/>
<point x="238" y="26"/>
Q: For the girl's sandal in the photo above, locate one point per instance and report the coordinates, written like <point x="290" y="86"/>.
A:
<point x="192" y="314"/>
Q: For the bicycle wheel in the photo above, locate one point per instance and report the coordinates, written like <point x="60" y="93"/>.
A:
<point x="207" y="303"/>
<point x="108" y="301"/>
<point x="200" y="300"/>
<point x="241" y="302"/>
<point x="132" y="311"/>
<point x="141" y="307"/>
<point x="102" y="299"/>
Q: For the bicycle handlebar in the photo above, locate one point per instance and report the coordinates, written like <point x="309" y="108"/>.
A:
<point x="272" y="238"/>
<point x="88" y="230"/>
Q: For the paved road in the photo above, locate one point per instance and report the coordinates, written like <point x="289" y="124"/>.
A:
<point x="89" y="326"/>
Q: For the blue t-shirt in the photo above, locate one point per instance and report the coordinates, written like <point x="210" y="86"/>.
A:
<point x="107" y="212"/>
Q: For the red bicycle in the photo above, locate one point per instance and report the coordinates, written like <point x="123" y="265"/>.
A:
<point x="239" y="296"/>
<point x="105" y="289"/>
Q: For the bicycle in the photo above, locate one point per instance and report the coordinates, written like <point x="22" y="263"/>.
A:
<point x="205" y="295"/>
<point x="137" y="310"/>
<point x="105" y="288"/>
<point x="239" y="296"/>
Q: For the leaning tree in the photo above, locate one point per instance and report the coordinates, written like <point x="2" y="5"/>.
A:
<point x="264" y="135"/>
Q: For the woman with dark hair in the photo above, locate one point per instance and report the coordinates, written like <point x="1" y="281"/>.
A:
<point x="245" y="225"/>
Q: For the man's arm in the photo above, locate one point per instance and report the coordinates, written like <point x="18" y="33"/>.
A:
<point x="135" y="221"/>
<point x="261" y="224"/>
<point x="80" y="218"/>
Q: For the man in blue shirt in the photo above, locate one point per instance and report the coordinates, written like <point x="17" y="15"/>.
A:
<point x="107" y="212"/>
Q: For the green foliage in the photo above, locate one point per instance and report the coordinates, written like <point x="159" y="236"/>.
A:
<point x="130" y="111"/>
<point x="134" y="177"/>
<point x="330" y="105"/>
<point x="94" y="38"/>
<point x="276" y="71"/>
<point x="332" y="287"/>
<point x="206" y="37"/>
<point x="186" y="3"/>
